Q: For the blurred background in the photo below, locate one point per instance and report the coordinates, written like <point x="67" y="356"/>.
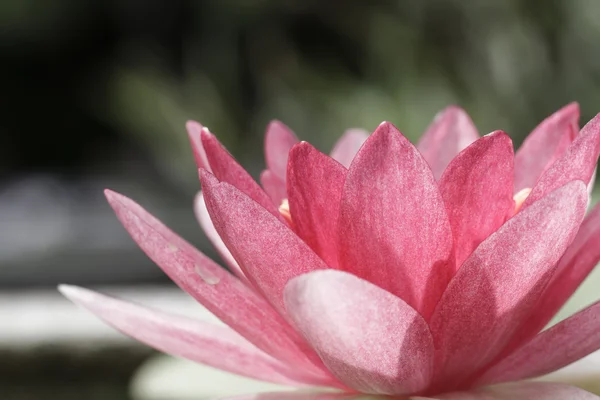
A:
<point x="95" y="94"/>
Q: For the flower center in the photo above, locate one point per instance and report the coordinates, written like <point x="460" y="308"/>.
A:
<point x="284" y="210"/>
<point x="520" y="198"/>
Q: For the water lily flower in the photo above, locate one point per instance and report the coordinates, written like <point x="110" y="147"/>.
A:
<point x="385" y="270"/>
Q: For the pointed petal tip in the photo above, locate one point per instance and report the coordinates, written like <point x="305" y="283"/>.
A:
<point x="114" y="198"/>
<point x="386" y="127"/>
<point x="64" y="288"/>
<point x="450" y="132"/>
<point x="194" y="131"/>
<point x="206" y="134"/>
<point x="449" y="110"/>
<point x="76" y="294"/>
<point x="301" y="147"/>
<point x="384" y="124"/>
<point x="207" y="179"/>
<point x="453" y="108"/>
<point x="119" y="201"/>
<point x="573" y="107"/>
<point x="452" y="112"/>
<point x="193" y="127"/>
<point x="275" y="124"/>
<point x="496" y="133"/>
<point x="277" y="130"/>
<point x="570" y="112"/>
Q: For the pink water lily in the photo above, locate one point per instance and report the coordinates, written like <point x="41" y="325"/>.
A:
<point x="384" y="269"/>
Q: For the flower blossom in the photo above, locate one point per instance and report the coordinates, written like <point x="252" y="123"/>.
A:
<point x="384" y="269"/>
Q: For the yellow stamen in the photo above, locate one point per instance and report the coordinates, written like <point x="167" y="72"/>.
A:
<point x="520" y="198"/>
<point x="284" y="210"/>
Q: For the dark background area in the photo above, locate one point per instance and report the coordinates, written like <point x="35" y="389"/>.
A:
<point x="96" y="93"/>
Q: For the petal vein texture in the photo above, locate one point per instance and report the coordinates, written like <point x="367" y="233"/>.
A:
<point x="393" y="227"/>
<point x="498" y="286"/>
<point x="369" y="339"/>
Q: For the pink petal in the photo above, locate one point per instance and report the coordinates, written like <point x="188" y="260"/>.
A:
<point x="279" y="140"/>
<point x="575" y="265"/>
<point x="556" y="347"/>
<point x="348" y="145"/>
<point x="233" y="302"/>
<point x="303" y="396"/>
<point x="212" y="235"/>
<point x="577" y="163"/>
<point x="477" y="188"/>
<point x="268" y="252"/>
<point x="523" y="391"/>
<point x="226" y="169"/>
<point x="451" y="131"/>
<point x="274" y="186"/>
<point x="368" y="338"/>
<point x="393" y="226"/>
<point x="194" y="130"/>
<point x="498" y="286"/>
<point x="544" y="145"/>
<point x="213" y="345"/>
<point x="315" y="183"/>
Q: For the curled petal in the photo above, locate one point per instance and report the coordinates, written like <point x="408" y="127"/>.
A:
<point x="368" y="338"/>
<point x="451" y="131"/>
